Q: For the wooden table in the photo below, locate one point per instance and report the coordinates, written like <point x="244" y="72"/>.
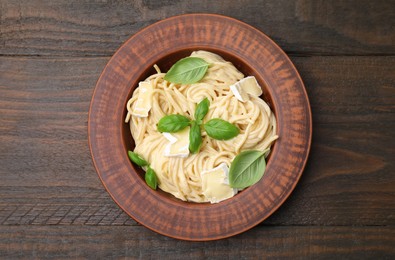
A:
<point x="52" y="204"/>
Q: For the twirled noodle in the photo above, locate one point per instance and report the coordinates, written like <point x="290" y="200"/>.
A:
<point x="181" y="176"/>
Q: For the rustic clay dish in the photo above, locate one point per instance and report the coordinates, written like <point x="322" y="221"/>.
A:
<point x="163" y="43"/>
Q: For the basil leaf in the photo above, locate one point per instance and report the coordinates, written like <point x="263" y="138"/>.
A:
<point x="173" y="123"/>
<point x="137" y="159"/>
<point x="151" y="179"/>
<point x="201" y="110"/>
<point x="220" y="129"/>
<point x="247" y="169"/>
<point x="195" y="138"/>
<point x="187" y="71"/>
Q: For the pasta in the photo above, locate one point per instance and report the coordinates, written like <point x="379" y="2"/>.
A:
<point x="182" y="176"/>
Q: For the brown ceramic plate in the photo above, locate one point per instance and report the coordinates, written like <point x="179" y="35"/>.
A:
<point x="163" y="43"/>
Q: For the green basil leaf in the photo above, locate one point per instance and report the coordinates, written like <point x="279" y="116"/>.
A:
<point x="173" y="123"/>
<point x="195" y="138"/>
<point x="201" y="110"/>
<point x="220" y="129"/>
<point x="151" y="179"/>
<point x="187" y="71"/>
<point x="247" y="169"/>
<point x="137" y="159"/>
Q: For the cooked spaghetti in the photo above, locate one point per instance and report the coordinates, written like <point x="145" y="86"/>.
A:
<point x="182" y="176"/>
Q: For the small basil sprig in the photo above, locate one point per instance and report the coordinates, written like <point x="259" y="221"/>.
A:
<point x="173" y="123"/>
<point x="195" y="138"/>
<point x="150" y="175"/>
<point x="201" y="110"/>
<point x="247" y="169"/>
<point x="220" y="129"/>
<point x="151" y="179"/>
<point x="215" y="128"/>
<point x="187" y="71"/>
<point x="137" y="159"/>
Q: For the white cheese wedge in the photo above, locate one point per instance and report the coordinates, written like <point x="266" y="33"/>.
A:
<point x="144" y="100"/>
<point x="239" y="93"/>
<point x="245" y="87"/>
<point x="179" y="144"/>
<point x="215" y="184"/>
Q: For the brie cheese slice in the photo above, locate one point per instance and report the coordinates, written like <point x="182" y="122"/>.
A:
<point x="144" y="100"/>
<point x="245" y="87"/>
<point x="215" y="184"/>
<point x="178" y="143"/>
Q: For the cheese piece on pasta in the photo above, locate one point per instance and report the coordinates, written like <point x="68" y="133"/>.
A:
<point x="215" y="184"/>
<point x="239" y="93"/>
<point x="179" y="143"/>
<point x="244" y="87"/>
<point x="144" y="100"/>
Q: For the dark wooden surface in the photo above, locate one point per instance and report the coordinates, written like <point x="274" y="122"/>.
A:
<point x="52" y="204"/>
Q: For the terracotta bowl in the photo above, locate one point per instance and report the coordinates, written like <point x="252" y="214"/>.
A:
<point x="164" y="43"/>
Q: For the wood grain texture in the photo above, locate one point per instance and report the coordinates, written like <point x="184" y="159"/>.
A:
<point x="303" y="27"/>
<point x="48" y="177"/>
<point x="138" y="242"/>
<point x="52" y="204"/>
